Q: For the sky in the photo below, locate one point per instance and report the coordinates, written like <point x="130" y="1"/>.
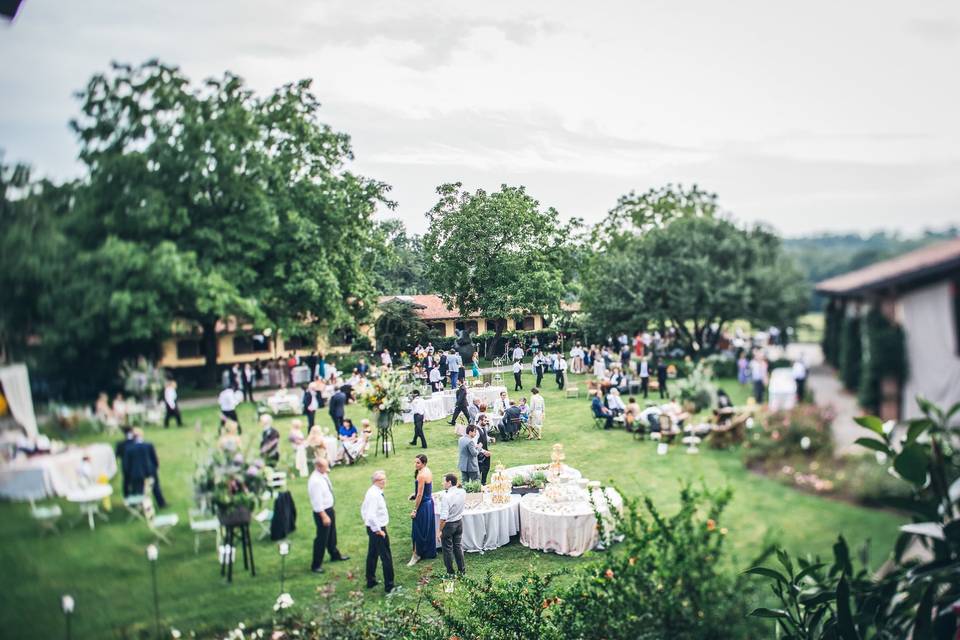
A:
<point x="814" y="116"/>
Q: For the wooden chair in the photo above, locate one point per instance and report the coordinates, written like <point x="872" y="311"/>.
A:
<point x="571" y="392"/>
<point x="159" y="525"/>
<point x="46" y="516"/>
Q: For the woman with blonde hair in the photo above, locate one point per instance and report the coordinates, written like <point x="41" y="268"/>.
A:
<point x="230" y="440"/>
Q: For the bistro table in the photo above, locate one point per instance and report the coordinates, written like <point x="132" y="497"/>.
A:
<point x="89" y="499"/>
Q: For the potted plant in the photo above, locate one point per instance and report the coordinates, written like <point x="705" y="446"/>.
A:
<point x="529" y="483"/>
<point x="233" y="483"/>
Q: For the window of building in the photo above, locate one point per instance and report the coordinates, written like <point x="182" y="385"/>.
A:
<point x="529" y="323"/>
<point x="293" y="343"/>
<point x="497" y="324"/>
<point x="250" y="344"/>
<point x="469" y="325"/>
<point x="437" y="328"/>
<point x="341" y="337"/>
<point x="189" y="348"/>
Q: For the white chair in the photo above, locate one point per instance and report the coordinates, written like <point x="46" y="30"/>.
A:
<point x="264" y="519"/>
<point x="134" y="506"/>
<point x="46" y="516"/>
<point x="571" y="392"/>
<point x="158" y="524"/>
<point x="200" y="523"/>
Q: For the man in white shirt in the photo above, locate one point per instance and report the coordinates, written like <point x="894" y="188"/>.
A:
<point x="517" y="353"/>
<point x="228" y="407"/>
<point x="375" y="518"/>
<point x="320" y="490"/>
<point x="451" y="524"/>
<point x="517" y="375"/>
<point x="170" y="402"/>
<point x="800" y="377"/>
<point x="435" y="379"/>
<point x="418" y="408"/>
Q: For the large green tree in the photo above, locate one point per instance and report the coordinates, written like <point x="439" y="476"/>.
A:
<point x="397" y="268"/>
<point x="694" y="273"/>
<point x="498" y="254"/>
<point x="249" y="193"/>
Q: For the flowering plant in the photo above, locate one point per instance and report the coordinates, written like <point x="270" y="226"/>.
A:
<point x="231" y="480"/>
<point x="386" y="392"/>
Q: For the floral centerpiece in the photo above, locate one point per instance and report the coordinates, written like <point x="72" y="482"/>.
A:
<point x="232" y="483"/>
<point x="385" y="395"/>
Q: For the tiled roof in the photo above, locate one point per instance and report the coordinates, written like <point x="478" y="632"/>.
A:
<point x="928" y="261"/>
<point x="431" y="307"/>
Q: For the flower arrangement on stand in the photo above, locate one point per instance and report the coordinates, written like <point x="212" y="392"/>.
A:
<point x="385" y="396"/>
<point x="233" y="484"/>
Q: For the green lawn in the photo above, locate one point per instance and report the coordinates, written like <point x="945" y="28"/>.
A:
<point x="106" y="570"/>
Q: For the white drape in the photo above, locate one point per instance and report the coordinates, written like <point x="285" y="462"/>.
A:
<point x="16" y="388"/>
<point x="931" y="348"/>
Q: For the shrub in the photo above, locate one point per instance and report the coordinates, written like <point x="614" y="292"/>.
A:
<point x="850" y="353"/>
<point x="473" y="486"/>
<point x="803" y="431"/>
<point x="667" y="578"/>
<point x="696" y="389"/>
<point x="884" y="355"/>
<point x="720" y="365"/>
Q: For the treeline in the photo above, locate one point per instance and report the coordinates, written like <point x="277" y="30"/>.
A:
<point x="825" y="255"/>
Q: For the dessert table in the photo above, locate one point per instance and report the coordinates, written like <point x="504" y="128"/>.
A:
<point x="485" y="526"/>
<point x="566" y="528"/>
<point x="89" y="499"/>
<point x="54" y="474"/>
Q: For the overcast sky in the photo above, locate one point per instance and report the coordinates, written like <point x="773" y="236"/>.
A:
<point x="809" y="116"/>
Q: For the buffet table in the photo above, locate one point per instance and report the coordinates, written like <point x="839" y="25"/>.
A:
<point x="485" y="526"/>
<point x="56" y="474"/>
<point x="567" y="528"/>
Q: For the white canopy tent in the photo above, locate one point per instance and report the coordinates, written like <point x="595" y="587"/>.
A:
<point x="15" y="383"/>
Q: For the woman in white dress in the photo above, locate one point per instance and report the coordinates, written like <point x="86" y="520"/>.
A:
<point x="538" y="412"/>
<point x="599" y="370"/>
<point x="298" y="442"/>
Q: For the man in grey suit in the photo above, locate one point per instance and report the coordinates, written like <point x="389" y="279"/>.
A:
<point x="469" y="450"/>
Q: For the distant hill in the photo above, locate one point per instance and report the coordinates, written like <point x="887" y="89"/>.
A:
<point x="825" y="255"/>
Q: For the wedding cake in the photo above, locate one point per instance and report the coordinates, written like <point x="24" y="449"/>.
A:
<point x="500" y="486"/>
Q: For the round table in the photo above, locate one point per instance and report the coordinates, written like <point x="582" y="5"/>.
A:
<point x="566" y="528"/>
<point x="527" y="469"/>
<point x="89" y="499"/>
<point x="486" y="526"/>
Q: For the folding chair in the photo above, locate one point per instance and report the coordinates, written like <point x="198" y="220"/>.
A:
<point x="46" y="516"/>
<point x="158" y="524"/>
<point x="134" y="506"/>
<point x="264" y="519"/>
<point x="571" y="392"/>
<point x="202" y="522"/>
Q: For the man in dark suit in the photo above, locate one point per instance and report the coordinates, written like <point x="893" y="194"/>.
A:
<point x="443" y="368"/>
<point x="461" y="405"/>
<point x="510" y="425"/>
<point x="139" y="463"/>
<point x="662" y="377"/>
<point x="483" y="461"/>
<point x="120" y="449"/>
<point x="600" y="411"/>
<point x="311" y="402"/>
<point x="338" y="403"/>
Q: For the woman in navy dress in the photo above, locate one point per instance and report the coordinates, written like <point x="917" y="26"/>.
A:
<point x="424" y="526"/>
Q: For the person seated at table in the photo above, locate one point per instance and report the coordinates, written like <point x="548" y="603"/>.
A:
<point x="617" y="379"/>
<point x="119" y="409"/>
<point x="351" y="444"/>
<point x="269" y="441"/>
<point x="631" y="414"/>
<point x="676" y="413"/>
<point x="230" y="441"/>
<point x="615" y="403"/>
<point x="524" y="411"/>
<point x="723" y="400"/>
<point x="650" y="417"/>
<point x="510" y="422"/>
<point x="600" y="411"/>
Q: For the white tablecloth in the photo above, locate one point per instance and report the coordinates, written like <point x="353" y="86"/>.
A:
<point x="527" y="469"/>
<point x="486" y="526"/>
<point x="54" y="475"/>
<point x="285" y="402"/>
<point x="567" y="528"/>
<point x="441" y="405"/>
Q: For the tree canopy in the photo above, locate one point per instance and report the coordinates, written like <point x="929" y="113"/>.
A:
<point x="499" y="254"/>
<point x="695" y="273"/>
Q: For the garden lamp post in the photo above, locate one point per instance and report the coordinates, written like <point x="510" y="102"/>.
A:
<point x="284" y="548"/>
<point x="66" y="605"/>
<point x="152" y="554"/>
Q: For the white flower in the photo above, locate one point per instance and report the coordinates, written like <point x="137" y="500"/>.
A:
<point x="888" y="426"/>
<point x="749" y="423"/>
<point x="67" y="604"/>
<point x="284" y="601"/>
<point x="881" y="457"/>
<point x="175" y="633"/>
<point x="805" y="443"/>
<point x="152" y="552"/>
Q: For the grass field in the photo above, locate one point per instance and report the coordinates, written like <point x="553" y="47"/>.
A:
<point x="107" y="573"/>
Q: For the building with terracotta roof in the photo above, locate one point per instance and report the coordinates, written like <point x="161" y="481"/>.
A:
<point x="919" y="294"/>
<point x="446" y="320"/>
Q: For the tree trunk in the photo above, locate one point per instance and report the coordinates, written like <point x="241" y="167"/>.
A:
<point x="209" y="341"/>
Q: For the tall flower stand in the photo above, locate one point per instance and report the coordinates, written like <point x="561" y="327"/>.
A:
<point x="384" y="441"/>
<point x="236" y="521"/>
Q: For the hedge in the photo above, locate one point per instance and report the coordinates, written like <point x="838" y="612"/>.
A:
<point x="851" y="353"/>
<point x="884" y="356"/>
